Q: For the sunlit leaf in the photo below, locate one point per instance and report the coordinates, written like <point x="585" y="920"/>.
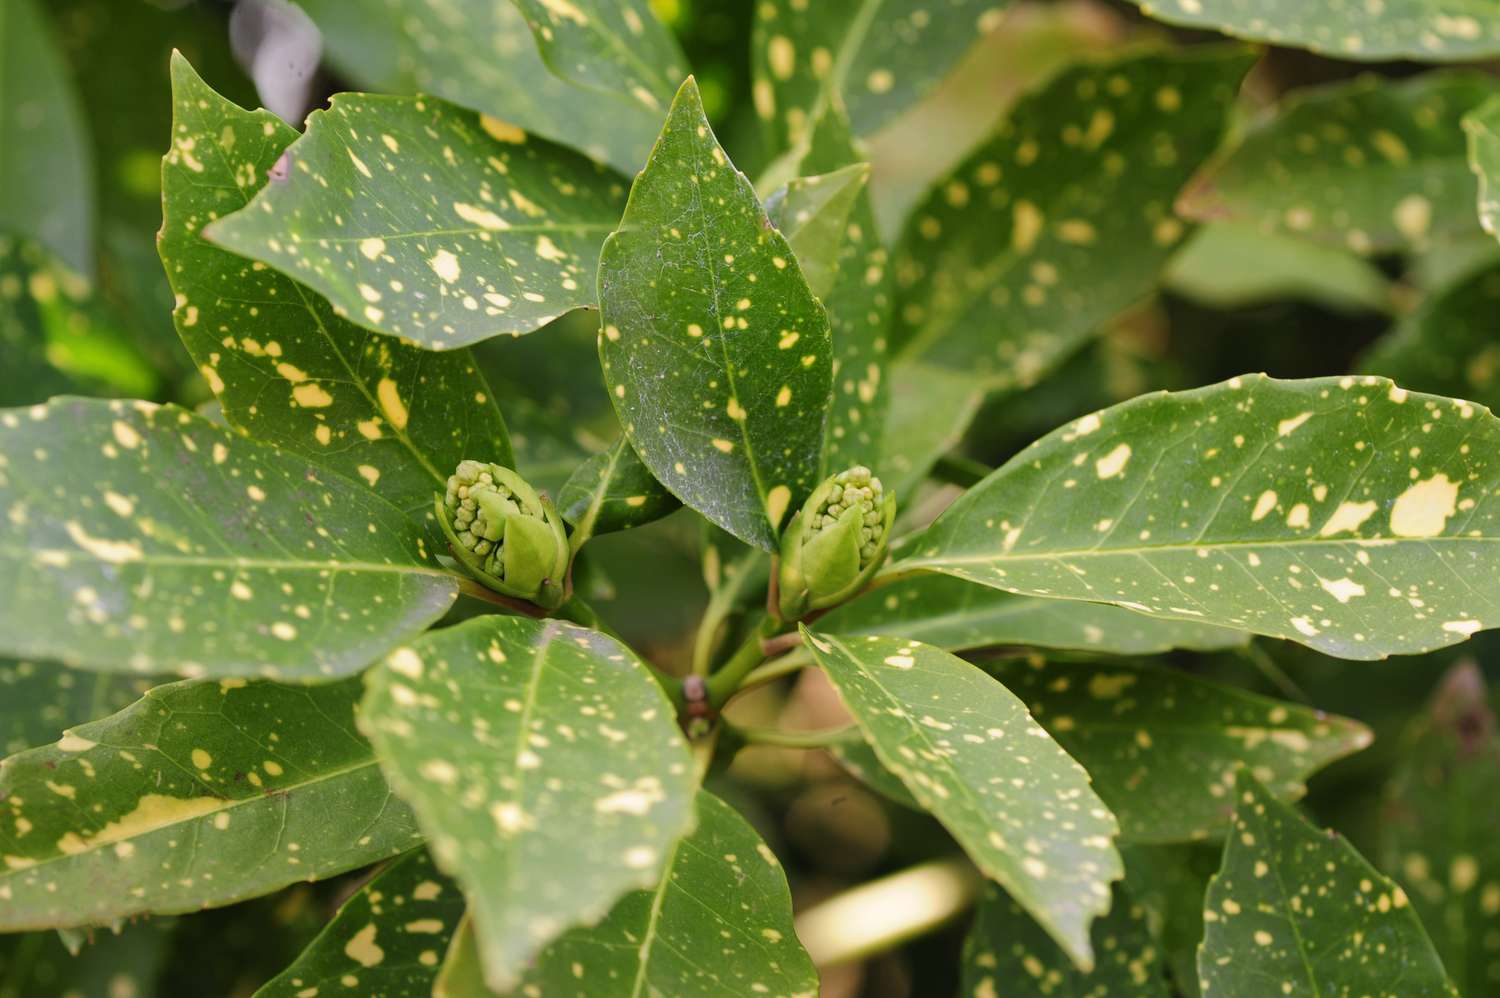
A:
<point x="1371" y="165"/>
<point x="420" y="219"/>
<point x="201" y="794"/>
<point x="717" y="354"/>
<point x="1011" y="263"/>
<point x="545" y="764"/>
<point x="1301" y="909"/>
<point x="147" y="539"/>
<point x="613" y="491"/>
<point x="286" y="369"/>
<point x="1483" y="128"/>
<point x="969" y="752"/>
<point x="1344" y="513"/>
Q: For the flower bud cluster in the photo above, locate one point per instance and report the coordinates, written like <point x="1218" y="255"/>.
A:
<point x="504" y="533"/>
<point x="835" y="543"/>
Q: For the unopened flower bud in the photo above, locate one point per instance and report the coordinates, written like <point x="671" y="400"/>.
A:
<point x="835" y="543"/>
<point x="504" y="534"/>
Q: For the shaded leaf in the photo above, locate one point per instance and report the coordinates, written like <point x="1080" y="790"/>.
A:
<point x="1370" y="165"/>
<point x="1006" y="952"/>
<point x="1162" y="747"/>
<point x="1169" y="882"/>
<point x="917" y="432"/>
<point x="856" y="756"/>
<point x="717" y="354"/>
<point x="480" y="54"/>
<point x="388" y="939"/>
<point x="1438" y="831"/>
<point x="613" y="491"/>
<point x="1012" y="263"/>
<point x="286" y="369"/>
<point x="1344" y="513"/>
<point x="422" y="220"/>
<point x="1299" y="907"/>
<point x="813" y="213"/>
<point x="109" y="965"/>
<point x="1483" y="128"/>
<point x="969" y="753"/>
<point x="1423" y="30"/>
<point x="545" y="764"/>
<point x="200" y="794"/>
<point x="38" y="700"/>
<point x="1447" y="344"/>
<point x="46" y="157"/>
<point x="147" y="539"/>
<point x="880" y="57"/>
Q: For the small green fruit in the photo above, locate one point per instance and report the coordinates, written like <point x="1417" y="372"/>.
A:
<point x="835" y="543"/>
<point x="507" y="536"/>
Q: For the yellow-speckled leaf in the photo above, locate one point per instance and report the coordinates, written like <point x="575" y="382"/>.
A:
<point x="1373" y="165"/>
<point x="148" y="539"/>
<point x="880" y="56"/>
<point x="813" y="213"/>
<point x="1297" y="909"/>
<point x="1483" y="128"/>
<point x="1008" y="953"/>
<point x="968" y="751"/>
<point x="387" y="940"/>
<point x="716" y="353"/>
<point x="480" y="54"/>
<point x="1344" y="513"/>
<point x="417" y="220"/>
<point x="201" y="794"/>
<point x="546" y="766"/>
<point x="1374" y="30"/>
<point x="1011" y="263"/>
<point x="285" y="368"/>
<point x="613" y="491"/>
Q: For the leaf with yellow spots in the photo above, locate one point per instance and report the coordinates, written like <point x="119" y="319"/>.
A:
<point x="46" y="158"/>
<point x="415" y="221"/>
<point x="546" y="766"/>
<point x="1372" y="165"/>
<point x="719" y="923"/>
<point x="145" y="539"/>
<point x="612" y="491"/>
<point x="1007" y="953"/>
<point x="1367" y="31"/>
<point x="1296" y="910"/>
<point x="201" y="794"/>
<point x="1437" y="829"/>
<point x="481" y="54"/>
<point x="968" y="751"/>
<point x="388" y="939"/>
<point x="1344" y="513"/>
<point x="880" y="56"/>
<point x="284" y="366"/>
<point x="1013" y="262"/>
<point x="716" y="352"/>
<point x="1483" y="128"/>
<point x="38" y="700"/>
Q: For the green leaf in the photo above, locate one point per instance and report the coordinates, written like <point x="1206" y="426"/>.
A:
<point x="46" y="158"/>
<point x="1012" y="262"/>
<point x="462" y="975"/>
<point x="388" y="939"/>
<point x="880" y="57"/>
<point x="719" y="923"/>
<point x="1294" y="905"/>
<point x="613" y="491"/>
<point x="286" y="369"/>
<point x="481" y="54"/>
<point x="546" y="766"/>
<point x="969" y="753"/>
<point x="417" y="220"/>
<point x="1447" y="344"/>
<point x="1162" y="747"/>
<point x="1370" y="165"/>
<point x="1483" y="128"/>
<point x="1437" y="826"/>
<point x="1169" y="882"/>
<point x="1006" y="952"/>
<point x="147" y="539"/>
<point x="856" y="756"/>
<point x="1344" y="513"/>
<point x="717" y="355"/>
<point x="40" y="699"/>
<point x="113" y="964"/>
<point x="201" y="794"/>
<point x="917" y="432"/>
<point x="1422" y="30"/>
<point x="958" y="615"/>
<point x="813" y="213"/>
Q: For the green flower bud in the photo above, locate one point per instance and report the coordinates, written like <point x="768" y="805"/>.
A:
<point x="835" y="543"/>
<point x="507" y="536"/>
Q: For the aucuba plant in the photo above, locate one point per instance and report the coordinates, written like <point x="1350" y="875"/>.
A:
<point x="619" y="517"/>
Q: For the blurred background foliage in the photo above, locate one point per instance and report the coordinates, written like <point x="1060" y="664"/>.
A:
<point x="85" y="309"/>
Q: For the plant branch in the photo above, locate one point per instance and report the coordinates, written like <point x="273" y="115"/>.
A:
<point x="723" y="684"/>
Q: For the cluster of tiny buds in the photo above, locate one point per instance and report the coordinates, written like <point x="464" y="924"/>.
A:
<point x="474" y="530"/>
<point x="855" y="488"/>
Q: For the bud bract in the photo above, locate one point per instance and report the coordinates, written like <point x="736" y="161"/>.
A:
<point x="835" y="543"/>
<point x="507" y="536"/>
